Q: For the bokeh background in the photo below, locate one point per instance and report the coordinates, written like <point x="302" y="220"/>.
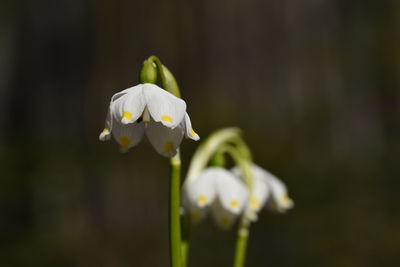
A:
<point x="313" y="84"/>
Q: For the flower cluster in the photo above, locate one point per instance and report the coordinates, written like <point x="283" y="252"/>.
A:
<point x="147" y="108"/>
<point x="225" y="193"/>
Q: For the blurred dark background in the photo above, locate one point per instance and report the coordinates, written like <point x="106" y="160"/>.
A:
<point x="314" y="85"/>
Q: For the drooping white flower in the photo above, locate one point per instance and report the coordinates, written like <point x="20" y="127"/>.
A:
<point x="218" y="189"/>
<point x="147" y="108"/>
<point x="267" y="190"/>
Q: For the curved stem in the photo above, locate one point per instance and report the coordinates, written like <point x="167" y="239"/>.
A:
<point x="174" y="214"/>
<point x="168" y="81"/>
<point x="206" y="150"/>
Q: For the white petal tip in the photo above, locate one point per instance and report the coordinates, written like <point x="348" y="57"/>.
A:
<point x="194" y="138"/>
<point x="202" y="205"/>
<point x="288" y="207"/>
<point x="192" y="134"/>
<point x="284" y="207"/>
<point x="105" y="136"/>
<point x="287" y="203"/>
<point x="168" y="124"/>
<point x="252" y="216"/>
<point x="169" y="155"/>
<point x="125" y="121"/>
<point x="201" y="202"/>
<point x="235" y="211"/>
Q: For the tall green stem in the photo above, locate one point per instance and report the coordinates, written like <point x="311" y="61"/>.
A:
<point x="241" y="245"/>
<point x="174" y="215"/>
<point x="185" y="232"/>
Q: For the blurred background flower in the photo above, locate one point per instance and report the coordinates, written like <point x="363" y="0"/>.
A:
<point x="219" y="189"/>
<point x="314" y="85"/>
<point x="267" y="190"/>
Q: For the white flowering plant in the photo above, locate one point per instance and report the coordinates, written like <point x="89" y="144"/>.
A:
<point x="229" y="195"/>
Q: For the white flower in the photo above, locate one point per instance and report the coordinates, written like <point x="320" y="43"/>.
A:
<point x="267" y="190"/>
<point x="218" y="189"/>
<point x="147" y="108"/>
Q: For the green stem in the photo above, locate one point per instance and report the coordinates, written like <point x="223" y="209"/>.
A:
<point x="174" y="214"/>
<point x="241" y="245"/>
<point x="185" y="226"/>
<point x="241" y="155"/>
<point x="244" y="227"/>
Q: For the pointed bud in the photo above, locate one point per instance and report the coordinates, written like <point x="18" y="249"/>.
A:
<point x="171" y="84"/>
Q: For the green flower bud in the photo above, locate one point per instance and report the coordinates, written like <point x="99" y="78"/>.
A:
<point x="148" y="74"/>
<point x="171" y="84"/>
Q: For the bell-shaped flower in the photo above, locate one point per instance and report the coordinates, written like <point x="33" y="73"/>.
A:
<point x="147" y="108"/>
<point x="267" y="190"/>
<point x="220" y="190"/>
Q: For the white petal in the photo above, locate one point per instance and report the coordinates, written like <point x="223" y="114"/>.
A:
<point x="231" y="191"/>
<point x="165" y="140"/>
<point x="260" y="194"/>
<point x="163" y="106"/>
<point x="113" y="108"/>
<point x="260" y="190"/>
<point x="222" y="217"/>
<point x="129" y="107"/>
<point x="196" y="214"/>
<point x="201" y="192"/>
<point x="279" y="199"/>
<point x="127" y="135"/>
<point x="106" y="133"/>
<point x="189" y="132"/>
<point x="122" y="93"/>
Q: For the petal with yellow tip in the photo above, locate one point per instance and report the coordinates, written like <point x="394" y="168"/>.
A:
<point x="132" y="106"/>
<point x="163" y="106"/>
<point x="201" y="191"/>
<point x="231" y="191"/>
<point x="189" y="132"/>
<point x="164" y="140"/>
<point x="127" y="135"/>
